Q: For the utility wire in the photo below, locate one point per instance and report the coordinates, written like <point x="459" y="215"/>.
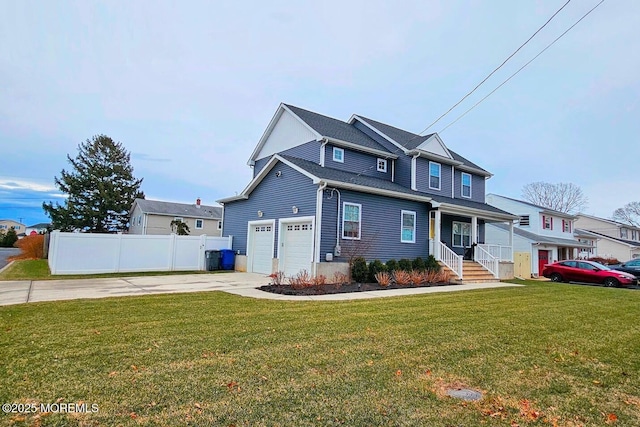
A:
<point x="494" y="71"/>
<point x="522" y="68"/>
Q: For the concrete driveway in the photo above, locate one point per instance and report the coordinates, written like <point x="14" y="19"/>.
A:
<point x="22" y="291"/>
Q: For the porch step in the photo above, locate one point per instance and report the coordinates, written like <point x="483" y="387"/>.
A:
<point x="472" y="272"/>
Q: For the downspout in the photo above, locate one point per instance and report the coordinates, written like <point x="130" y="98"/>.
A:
<point x="414" y="172"/>
<point x="318" y="225"/>
<point x="453" y="182"/>
<point x="337" y="250"/>
<point x="322" y="153"/>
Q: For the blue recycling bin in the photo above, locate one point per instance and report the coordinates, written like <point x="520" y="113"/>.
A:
<point x="228" y="259"/>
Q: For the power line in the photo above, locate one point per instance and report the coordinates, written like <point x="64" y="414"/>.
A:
<point x="523" y="67"/>
<point x="494" y="71"/>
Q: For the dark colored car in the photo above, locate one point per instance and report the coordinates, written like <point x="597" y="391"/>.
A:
<point x="631" y="267"/>
<point x="587" y="272"/>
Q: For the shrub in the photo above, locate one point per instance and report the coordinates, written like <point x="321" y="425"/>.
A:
<point x="443" y="276"/>
<point x="319" y="280"/>
<point x="605" y="261"/>
<point x="376" y="267"/>
<point x="402" y="277"/>
<point x="359" y="270"/>
<point x="419" y="264"/>
<point x="339" y="278"/>
<point x="392" y="265"/>
<point x="32" y="247"/>
<point x="383" y="278"/>
<point x="430" y="276"/>
<point x="405" y="264"/>
<point x="416" y="277"/>
<point x="432" y="264"/>
<point x="301" y="280"/>
<point x="277" y="278"/>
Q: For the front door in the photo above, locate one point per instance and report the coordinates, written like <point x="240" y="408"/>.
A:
<point x="543" y="259"/>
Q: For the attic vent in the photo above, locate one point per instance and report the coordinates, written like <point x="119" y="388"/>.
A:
<point x="524" y="219"/>
<point x="279" y="173"/>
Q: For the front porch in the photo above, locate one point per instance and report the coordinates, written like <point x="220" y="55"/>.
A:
<point x="457" y="241"/>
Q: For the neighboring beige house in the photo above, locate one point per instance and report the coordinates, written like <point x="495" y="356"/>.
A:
<point x="6" y="224"/>
<point x="615" y="239"/>
<point x="154" y="217"/>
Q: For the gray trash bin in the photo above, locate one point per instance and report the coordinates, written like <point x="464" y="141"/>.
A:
<point x="212" y="260"/>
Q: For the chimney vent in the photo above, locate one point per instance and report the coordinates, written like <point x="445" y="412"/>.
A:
<point x="198" y="203"/>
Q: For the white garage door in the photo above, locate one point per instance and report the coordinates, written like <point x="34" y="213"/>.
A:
<point x="297" y="250"/>
<point x="261" y="250"/>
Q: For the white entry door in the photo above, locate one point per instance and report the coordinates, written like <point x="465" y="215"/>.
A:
<point x="296" y="251"/>
<point x="260" y="251"/>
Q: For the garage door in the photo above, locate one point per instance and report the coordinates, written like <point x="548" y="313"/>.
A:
<point x="261" y="250"/>
<point x="297" y="249"/>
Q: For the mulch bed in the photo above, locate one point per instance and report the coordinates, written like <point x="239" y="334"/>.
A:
<point x="340" y="289"/>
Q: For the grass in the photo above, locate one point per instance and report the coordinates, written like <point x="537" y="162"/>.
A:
<point x="542" y="354"/>
<point x="38" y="269"/>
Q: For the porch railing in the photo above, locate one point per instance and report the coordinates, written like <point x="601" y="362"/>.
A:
<point x="485" y="259"/>
<point x="503" y="253"/>
<point x="451" y="259"/>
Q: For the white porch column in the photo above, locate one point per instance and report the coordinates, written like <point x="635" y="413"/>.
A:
<point x="511" y="238"/>
<point x="436" y="243"/>
<point x="474" y="229"/>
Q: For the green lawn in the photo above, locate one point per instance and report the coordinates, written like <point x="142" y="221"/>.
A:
<point x="542" y="354"/>
<point x="38" y="269"/>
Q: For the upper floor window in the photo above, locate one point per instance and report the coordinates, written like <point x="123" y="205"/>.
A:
<point x="408" y="231"/>
<point x="199" y="223"/>
<point x="382" y="165"/>
<point x="434" y="175"/>
<point x="351" y="220"/>
<point x="466" y="185"/>
<point x="219" y="225"/>
<point x="338" y="154"/>
<point x="547" y="222"/>
<point x="624" y="233"/>
<point x="524" y="220"/>
<point x="566" y="226"/>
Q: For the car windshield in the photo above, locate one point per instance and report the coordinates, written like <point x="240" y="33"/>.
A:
<point x="600" y="266"/>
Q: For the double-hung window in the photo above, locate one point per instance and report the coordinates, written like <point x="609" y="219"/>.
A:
<point x="199" y="223"/>
<point x="434" y="175"/>
<point x="408" y="231"/>
<point x="547" y="222"/>
<point x="338" y="155"/>
<point x="461" y="234"/>
<point x="351" y="220"/>
<point x="566" y="226"/>
<point x="466" y="185"/>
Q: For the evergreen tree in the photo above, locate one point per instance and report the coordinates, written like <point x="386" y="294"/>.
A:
<point x="180" y="228"/>
<point x="8" y="239"/>
<point x="101" y="189"/>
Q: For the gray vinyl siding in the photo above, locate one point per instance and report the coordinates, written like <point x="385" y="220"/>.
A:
<point x="259" y="164"/>
<point x="381" y="225"/>
<point x="402" y="164"/>
<point x="422" y="178"/>
<point x="357" y="162"/>
<point x="274" y="196"/>
<point x="477" y="186"/>
<point x="309" y="151"/>
<point x="446" y="233"/>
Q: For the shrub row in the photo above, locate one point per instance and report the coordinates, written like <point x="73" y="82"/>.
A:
<point x="362" y="272"/>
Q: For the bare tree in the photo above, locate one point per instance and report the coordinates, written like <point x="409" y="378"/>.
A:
<point x="629" y="214"/>
<point x="562" y="197"/>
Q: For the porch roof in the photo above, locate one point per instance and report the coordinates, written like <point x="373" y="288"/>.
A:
<point x="468" y="207"/>
<point x="545" y="240"/>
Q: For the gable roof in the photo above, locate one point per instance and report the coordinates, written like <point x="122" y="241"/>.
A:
<point x="157" y="207"/>
<point x="410" y="141"/>
<point x="604" y="236"/>
<point x="544" y="240"/>
<point x="542" y="208"/>
<point x="610" y="221"/>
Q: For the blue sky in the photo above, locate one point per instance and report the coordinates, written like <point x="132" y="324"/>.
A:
<point x="189" y="87"/>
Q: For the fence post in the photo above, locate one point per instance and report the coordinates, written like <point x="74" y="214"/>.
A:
<point x="119" y="252"/>
<point x="203" y="247"/>
<point x="230" y="242"/>
<point x="172" y="252"/>
<point x="53" y="251"/>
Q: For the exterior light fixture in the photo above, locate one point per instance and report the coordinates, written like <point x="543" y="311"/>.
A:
<point x="259" y="214"/>
<point x="294" y="209"/>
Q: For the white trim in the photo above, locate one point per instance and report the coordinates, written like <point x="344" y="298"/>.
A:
<point x="318" y="229"/>
<point x="272" y="223"/>
<point x="358" y="147"/>
<point x="382" y="162"/>
<point x="393" y="171"/>
<point x="288" y="220"/>
<point x="371" y="190"/>
<point x="462" y="175"/>
<point x="335" y="151"/>
<point x="359" y="220"/>
<point x="196" y="223"/>
<point x="323" y="148"/>
<point x="439" y="187"/>
<point x="453" y="182"/>
<point x="453" y="240"/>
<point x="376" y="130"/>
<point x="414" y="179"/>
<point x="439" y="141"/>
<point x="415" y="219"/>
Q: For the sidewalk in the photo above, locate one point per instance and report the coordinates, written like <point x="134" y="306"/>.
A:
<point x="242" y="284"/>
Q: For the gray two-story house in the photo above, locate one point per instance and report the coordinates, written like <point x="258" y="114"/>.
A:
<point x="324" y="190"/>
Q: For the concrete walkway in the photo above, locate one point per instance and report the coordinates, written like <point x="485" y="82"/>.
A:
<point x="243" y="284"/>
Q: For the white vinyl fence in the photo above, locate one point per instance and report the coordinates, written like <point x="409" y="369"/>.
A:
<point x="87" y="253"/>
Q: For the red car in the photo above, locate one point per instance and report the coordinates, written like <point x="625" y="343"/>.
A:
<point x="587" y="271"/>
